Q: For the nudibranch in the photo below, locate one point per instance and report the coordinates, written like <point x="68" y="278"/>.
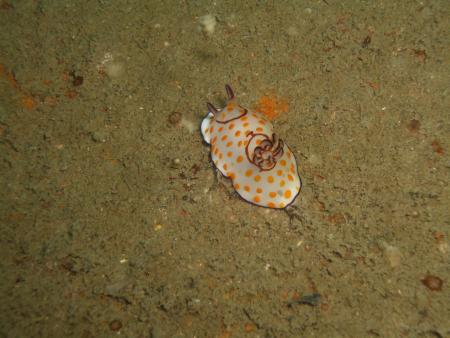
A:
<point x="245" y="149"/>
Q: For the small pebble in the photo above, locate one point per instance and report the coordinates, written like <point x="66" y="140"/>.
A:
<point x="189" y="125"/>
<point x="115" y="325"/>
<point x="208" y="23"/>
<point x="433" y="283"/>
<point x="311" y="299"/>
<point x="77" y="80"/>
<point x="413" y="125"/>
<point x="99" y="136"/>
<point x="393" y="255"/>
<point x="175" y="118"/>
<point x="176" y="163"/>
<point x="114" y="69"/>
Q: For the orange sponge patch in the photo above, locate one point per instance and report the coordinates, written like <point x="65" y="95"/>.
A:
<point x="271" y="106"/>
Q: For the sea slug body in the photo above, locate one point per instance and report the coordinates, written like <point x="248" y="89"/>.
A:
<point x="245" y="149"/>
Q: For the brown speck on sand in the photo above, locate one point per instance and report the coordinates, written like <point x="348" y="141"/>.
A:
<point x="413" y="125"/>
<point x="175" y="118"/>
<point x="115" y="325"/>
<point x="433" y="283"/>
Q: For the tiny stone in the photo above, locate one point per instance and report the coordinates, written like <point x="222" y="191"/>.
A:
<point x="392" y="255"/>
<point x="413" y="125"/>
<point x="433" y="283"/>
<point x="77" y="81"/>
<point x="115" y="325"/>
<point x="208" y="23"/>
<point x="176" y="163"/>
<point x="114" y="69"/>
<point x="189" y="125"/>
<point x="98" y="136"/>
<point x="310" y="299"/>
<point x="175" y="118"/>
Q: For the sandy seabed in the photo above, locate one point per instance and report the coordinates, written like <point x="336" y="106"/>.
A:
<point x="114" y="221"/>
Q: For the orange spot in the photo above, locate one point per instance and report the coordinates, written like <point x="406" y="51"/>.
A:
<point x="220" y="156"/>
<point x="231" y="175"/>
<point x="256" y="199"/>
<point x="270" y="179"/>
<point x="239" y="143"/>
<point x="229" y="144"/>
<point x="289" y="154"/>
<point x="258" y="142"/>
<point x="237" y="186"/>
<point x="214" y="139"/>
<point x="249" y="327"/>
<point x="230" y="106"/>
<point x="373" y="85"/>
<point x="221" y="128"/>
<point x="239" y="159"/>
<point x="247" y="188"/>
<point x="273" y="194"/>
<point x="262" y="122"/>
<point x="257" y="178"/>
<point x="71" y="94"/>
<point x="421" y="54"/>
<point x="28" y="102"/>
<point x="225" y="334"/>
<point x="212" y="129"/>
<point x="283" y="162"/>
<point x="290" y="178"/>
<point x="237" y="133"/>
<point x="249" y="172"/>
<point x="245" y="124"/>
<point x="245" y="118"/>
<point x="282" y="183"/>
<point x="224" y="137"/>
<point x="216" y="150"/>
<point x="207" y="130"/>
<point x="271" y="205"/>
<point x="229" y="154"/>
<point x="279" y="172"/>
<point x="231" y="126"/>
<point x="258" y="190"/>
<point x="292" y="169"/>
<point x="337" y="218"/>
<point x="271" y="106"/>
<point x="225" y="167"/>
<point x="259" y="129"/>
<point x="287" y="194"/>
<point x="282" y="205"/>
<point x="437" y="147"/>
